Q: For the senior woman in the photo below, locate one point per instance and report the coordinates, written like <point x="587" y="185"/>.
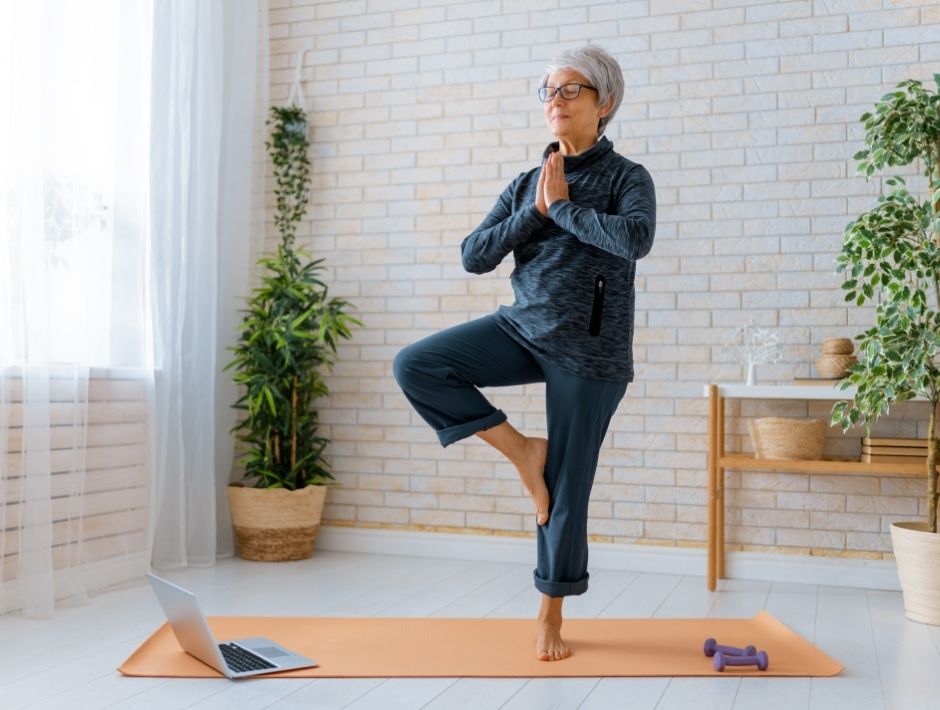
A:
<point x="576" y="226"/>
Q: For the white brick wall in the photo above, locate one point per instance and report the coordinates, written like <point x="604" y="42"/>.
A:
<point x="746" y="114"/>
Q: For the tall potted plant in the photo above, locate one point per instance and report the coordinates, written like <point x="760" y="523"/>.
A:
<point x="290" y="330"/>
<point x="891" y="256"/>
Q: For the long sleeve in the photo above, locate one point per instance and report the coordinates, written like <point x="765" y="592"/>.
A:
<point x="627" y="234"/>
<point x="500" y="232"/>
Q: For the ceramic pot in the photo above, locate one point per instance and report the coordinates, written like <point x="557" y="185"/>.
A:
<point x="917" y="553"/>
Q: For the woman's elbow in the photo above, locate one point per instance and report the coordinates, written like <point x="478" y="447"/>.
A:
<point x="471" y="261"/>
<point x="644" y="243"/>
<point x="466" y="258"/>
<point x="475" y="267"/>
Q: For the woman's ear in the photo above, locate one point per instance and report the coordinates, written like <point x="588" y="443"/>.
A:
<point x="607" y="109"/>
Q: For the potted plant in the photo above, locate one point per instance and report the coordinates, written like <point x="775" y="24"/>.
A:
<point x="891" y="256"/>
<point x="290" y="329"/>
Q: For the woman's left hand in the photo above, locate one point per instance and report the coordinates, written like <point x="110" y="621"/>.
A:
<point x="556" y="187"/>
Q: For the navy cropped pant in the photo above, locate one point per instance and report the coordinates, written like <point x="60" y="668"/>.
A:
<point x="440" y="375"/>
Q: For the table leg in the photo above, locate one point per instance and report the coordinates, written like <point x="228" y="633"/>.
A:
<point x="712" y="483"/>
<point x="720" y="490"/>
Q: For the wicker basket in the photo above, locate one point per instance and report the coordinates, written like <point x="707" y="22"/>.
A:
<point x="837" y="346"/>
<point x="788" y="439"/>
<point x="275" y="524"/>
<point x="835" y="366"/>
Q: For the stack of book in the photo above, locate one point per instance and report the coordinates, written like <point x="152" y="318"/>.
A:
<point x="894" y="450"/>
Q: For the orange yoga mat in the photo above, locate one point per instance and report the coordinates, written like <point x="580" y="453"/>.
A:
<point x="355" y="647"/>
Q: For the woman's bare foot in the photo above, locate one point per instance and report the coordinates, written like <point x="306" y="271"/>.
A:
<point x="529" y="454"/>
<point x="532" y="473"/>
<point x="548" y="643"/>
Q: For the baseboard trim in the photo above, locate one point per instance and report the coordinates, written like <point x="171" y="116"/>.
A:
<point x="832" y="571"/>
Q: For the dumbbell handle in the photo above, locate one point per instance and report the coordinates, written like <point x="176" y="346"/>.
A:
<point x="760" y="660"/>
<point x="711" y="646"/>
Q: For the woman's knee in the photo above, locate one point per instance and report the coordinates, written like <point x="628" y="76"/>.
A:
<point x="407" y="365"/>
<point x="400" y="365"/>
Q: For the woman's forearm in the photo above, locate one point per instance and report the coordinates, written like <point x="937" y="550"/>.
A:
<point x="486" y="247"/>
<point x="626" y="236"/>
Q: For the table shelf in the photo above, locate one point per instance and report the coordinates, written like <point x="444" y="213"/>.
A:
<point x="719" y="460"/>
<point x="823" y="466"/>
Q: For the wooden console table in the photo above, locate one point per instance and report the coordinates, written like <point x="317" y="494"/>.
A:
<point x="719" y="460"/>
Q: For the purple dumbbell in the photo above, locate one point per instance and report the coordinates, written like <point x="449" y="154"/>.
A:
<point x="711" y="646"/>
<point x="721" y="661"/>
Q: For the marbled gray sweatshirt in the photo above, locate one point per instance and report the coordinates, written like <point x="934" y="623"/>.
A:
<point x="574" y="274"/>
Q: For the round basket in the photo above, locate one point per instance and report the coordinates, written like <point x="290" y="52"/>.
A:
<point x="835" y="366"/>
<point x="837" y="346"/>
<point x="275" y="524"/>
<point x="788" y="439"/>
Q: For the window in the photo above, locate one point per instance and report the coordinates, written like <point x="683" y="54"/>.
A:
<point x="74" y="136"/>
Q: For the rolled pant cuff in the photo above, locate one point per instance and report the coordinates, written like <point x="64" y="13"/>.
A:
<point x="462" y="431"/>
<point x="561" y="589"/>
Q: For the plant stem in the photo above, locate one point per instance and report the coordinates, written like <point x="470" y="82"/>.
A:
<point x="932" y="497"/>
<point x="932" y="469"/>
<point x="293" y="425"/>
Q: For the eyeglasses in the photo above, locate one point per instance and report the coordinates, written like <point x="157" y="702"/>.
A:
<point x="568" y="91"/>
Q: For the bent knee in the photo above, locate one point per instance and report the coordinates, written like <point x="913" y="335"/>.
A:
<point x="403" y="365"/>
<point x="400" y="364"/>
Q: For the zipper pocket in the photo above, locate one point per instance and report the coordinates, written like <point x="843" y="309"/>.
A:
<point x="598" y="308"/>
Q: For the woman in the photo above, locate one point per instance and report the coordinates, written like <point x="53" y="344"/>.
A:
<point x="576" y="227"/>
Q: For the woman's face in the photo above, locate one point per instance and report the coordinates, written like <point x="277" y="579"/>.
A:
<point x="575" y="118"/>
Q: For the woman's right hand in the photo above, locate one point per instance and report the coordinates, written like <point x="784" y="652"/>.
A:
<point x="540" y="193"/>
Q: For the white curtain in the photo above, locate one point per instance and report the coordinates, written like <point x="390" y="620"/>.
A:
<point x="207" y="158"/>
<point x="73" y="237"/>
<point x="131" y="201"/>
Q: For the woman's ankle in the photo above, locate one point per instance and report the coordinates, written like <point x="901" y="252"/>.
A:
<point x="506" y="439"/>
<point x="551" y="608"/>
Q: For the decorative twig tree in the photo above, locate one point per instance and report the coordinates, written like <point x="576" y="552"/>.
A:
<point x="752" y="346"/>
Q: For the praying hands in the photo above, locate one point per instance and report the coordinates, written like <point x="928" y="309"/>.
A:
<point x="552" y="185"/>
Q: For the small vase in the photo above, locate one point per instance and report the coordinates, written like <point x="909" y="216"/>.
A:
<point x="751" y="378"/>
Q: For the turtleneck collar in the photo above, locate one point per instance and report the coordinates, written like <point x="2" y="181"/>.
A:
<point x="574" y="162"/>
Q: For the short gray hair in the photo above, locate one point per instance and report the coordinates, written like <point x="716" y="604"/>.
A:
<point x="599" y="68"/>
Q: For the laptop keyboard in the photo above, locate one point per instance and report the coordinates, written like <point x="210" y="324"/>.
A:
<point x="240" y="660"/>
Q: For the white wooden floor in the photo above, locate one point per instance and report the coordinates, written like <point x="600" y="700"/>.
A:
<point x="70" y="661"/>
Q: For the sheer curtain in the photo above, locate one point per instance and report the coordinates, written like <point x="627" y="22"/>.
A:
<point x="73" y="240"/>
<point x="131" y="195"/>
<point x="207" y="158"/>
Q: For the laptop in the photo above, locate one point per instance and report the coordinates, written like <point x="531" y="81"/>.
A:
<point x="236" y="659"/>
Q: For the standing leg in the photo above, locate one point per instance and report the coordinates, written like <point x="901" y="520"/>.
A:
<point x="579" y="413"/>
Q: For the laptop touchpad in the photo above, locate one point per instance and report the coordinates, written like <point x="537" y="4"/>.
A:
<point x="270" y="651"/>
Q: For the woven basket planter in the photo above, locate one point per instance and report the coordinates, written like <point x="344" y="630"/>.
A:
<point x="788" y="439"/>
<point x="835" y="366"/>
<point x="918" y="557"/>
<point x="275" y="524"/>
<point x="837" y="346"/>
